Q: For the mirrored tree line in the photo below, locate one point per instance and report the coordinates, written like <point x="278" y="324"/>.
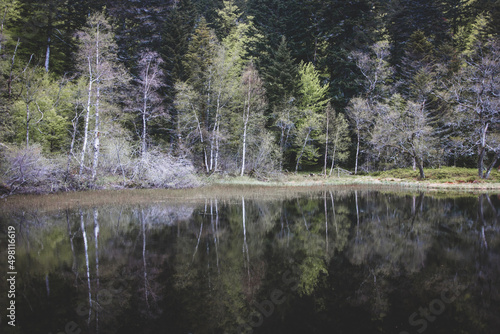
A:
<point x="180" y="265"/>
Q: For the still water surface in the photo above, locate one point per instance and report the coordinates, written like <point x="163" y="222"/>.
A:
<point x="327" y="261"/>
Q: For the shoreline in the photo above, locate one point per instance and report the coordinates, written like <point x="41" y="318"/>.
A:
<point x="230" y="188"/>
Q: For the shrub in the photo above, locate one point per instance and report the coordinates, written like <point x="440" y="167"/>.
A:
<point x="157" y="169"/>
<point x="25" y="169"/>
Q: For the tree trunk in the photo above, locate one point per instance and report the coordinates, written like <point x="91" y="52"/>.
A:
<point x="87" y="119"/>
<point x="420" y="165"/>
<point x="244" y="147"/>
<point x="96" y="137"/>
<point x="301" y="152"/>
<point x="326" y="142"/>
<point x="47" y="55"/>
<point x="246" y="116"/>
<point x="28" y="119"/>
<point x="357" y="155"/>
<point x="488" y="171"/>
<point x="144" y="124"/>
<point x="97" y="100"/>
<point x="144" y="112"/>
<point x="482" y="152"/>
<point x="334" y="151"/>
<point x="217" y="145"/>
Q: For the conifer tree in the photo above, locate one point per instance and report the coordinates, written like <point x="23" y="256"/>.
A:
<point x="281" y="75"/>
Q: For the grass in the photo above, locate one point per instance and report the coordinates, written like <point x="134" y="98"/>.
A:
<point x="443" y="175"/>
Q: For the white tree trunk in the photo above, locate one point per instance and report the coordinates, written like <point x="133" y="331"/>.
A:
<point x="47" y="55"/>
<point x="144" y="112"/>
<point x="246" y="117"/>
<point x="244" y="148"/>
<point x="97" y="100"/>
<point x="87" y="118"/>
<point x="357" y="155"/>
<point x="96" y="137"/>
<point x="334" y="151"/>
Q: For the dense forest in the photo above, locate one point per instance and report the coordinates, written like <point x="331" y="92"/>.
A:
<point x="150" y="93"/>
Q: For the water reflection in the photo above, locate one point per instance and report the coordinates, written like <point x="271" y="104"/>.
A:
<point x="323" y="262"/>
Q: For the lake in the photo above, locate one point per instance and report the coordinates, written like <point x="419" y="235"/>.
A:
<point x="261" y="260"/>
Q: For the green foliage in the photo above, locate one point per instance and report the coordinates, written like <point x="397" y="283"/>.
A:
<point x="48" y="103"/>
<point x="175" y="36"/>
<point x="227" y="19"/>
<point x="313" y="95"/>
<point x="311" y="270"/>
<point x="200" y="54"/>
<point x="10" y="12"/>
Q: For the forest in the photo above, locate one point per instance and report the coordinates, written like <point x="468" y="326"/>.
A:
<point x="153" y="93"/>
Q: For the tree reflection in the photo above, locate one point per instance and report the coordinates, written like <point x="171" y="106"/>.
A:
<point x="204" y="267"/>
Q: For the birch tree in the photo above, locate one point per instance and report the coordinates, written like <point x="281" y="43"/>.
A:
<point x="253" y="107"/>
<point x="148" y="100"/>
<point x="97" y="61"/>
<point x="361" y="116"/>
<point x="337" y="138"/>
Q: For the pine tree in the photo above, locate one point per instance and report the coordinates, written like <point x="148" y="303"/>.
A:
<point x="139" y="27"/>
<point x="176" y="34"/>
<point x="281" y="75"/>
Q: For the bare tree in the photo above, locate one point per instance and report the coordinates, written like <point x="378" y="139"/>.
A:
<point x="361" y="116"/>
<point x="149" y="101"/>
<point x="475" y="91"/>
<point x="403" y="127"/>
<point x="97" y="61"/>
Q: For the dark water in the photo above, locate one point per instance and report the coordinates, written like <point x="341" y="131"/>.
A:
<point x="323" y="262"/>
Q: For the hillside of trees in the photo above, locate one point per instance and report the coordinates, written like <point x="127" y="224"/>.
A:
<point x="151" y="93"/>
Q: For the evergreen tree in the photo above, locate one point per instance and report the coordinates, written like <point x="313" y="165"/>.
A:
<point x="10" y="12"/>
<point x="176" y="34"/>
<point x="408" y="16"/>
<point x="312" y="103"/>
<point x="281" y="75"/>
<point x="139" y="26"/>
<point x="345" y="26"/>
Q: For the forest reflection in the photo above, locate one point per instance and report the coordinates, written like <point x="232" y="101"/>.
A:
<point x="342" y="261"/>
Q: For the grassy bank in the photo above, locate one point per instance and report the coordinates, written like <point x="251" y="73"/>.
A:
<point x="440" y="178"/>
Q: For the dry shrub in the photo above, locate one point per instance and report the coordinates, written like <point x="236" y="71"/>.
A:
<point x="116" y="156"/>
<point x="262" y="158"/>
<point x="25" y="169"/>
<point x="161" y="170"/>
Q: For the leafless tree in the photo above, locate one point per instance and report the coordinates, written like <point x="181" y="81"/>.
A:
<point x="148" y="101"/>
<point x="475" y="92"/>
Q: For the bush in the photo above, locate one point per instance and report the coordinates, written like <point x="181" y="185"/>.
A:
<point x="25" y="169"/>
<point x="160" y="170"/>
